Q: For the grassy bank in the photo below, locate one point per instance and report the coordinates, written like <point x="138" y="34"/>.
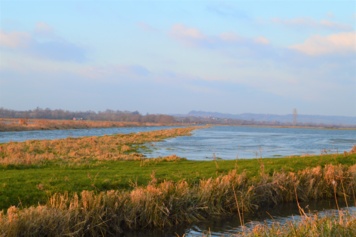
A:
<point x="166" y="203"/>
<point x="25" y="185"/>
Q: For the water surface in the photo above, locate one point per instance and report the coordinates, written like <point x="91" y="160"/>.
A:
<point x="20" y="136"/>
<point x="231" y="142"/>
<point x="283" y="214"/>
<point x="230" y="226"/>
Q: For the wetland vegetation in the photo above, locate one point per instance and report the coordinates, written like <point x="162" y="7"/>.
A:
<point x="21" y="124"/>
<point x="102" y="186"/>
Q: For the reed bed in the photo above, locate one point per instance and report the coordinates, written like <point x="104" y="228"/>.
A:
<point x="340" y="224"/>
<point x="11" y="124"/>
<point x="168" y="203"/>
<point x="77" y="150"/>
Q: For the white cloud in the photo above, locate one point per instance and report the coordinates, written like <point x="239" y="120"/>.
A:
<point x="305" y="22"/>
<point x="341" y="43"/>
<point x="194" y="37"/>
<point x="261" y="40"/>
<point x="14" y="39"/>
<point x="43" y="30"/>
<point x="187" y="34"/>
<point x="43" y="27"/>
<point x="42" y="43"/>
<point x="115" y="72"/>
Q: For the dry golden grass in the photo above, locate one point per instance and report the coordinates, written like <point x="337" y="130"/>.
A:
<point x="341" y="224"/>
<point x="11" y="124"/>
<point x="75" y="150"/>
<point x="165" y="204"/>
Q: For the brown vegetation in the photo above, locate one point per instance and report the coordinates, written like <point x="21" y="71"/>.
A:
<point x="165" y="204"/>
<point x="108" y="147"/>
<point x="353" y="150"/>
<point x="340" y="224"/>
<point x="9" y="124"/>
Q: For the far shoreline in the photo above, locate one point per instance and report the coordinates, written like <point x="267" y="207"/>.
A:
<point x="23" y="124"/>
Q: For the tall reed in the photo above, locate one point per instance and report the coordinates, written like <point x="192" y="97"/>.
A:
<point x="341" y="224"/>
<point x="165" y="204"/>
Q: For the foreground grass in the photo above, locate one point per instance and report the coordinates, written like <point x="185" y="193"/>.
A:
<point x="29" y="185"/>
<point x="168" y="203"/>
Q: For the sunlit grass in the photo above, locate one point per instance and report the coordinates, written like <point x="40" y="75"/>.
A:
<point x="166" y="203"/>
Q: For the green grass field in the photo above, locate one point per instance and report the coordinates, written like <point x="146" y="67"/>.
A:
<point x="23" y="186"/>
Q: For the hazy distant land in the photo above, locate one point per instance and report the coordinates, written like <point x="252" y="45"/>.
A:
<point x="288" y="118"/>
<point x="12" y="120"/>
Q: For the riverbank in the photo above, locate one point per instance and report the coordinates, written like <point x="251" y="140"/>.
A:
<point x="161" y="202"/>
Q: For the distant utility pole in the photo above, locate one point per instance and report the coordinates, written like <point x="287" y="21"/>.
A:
<point x="295" y="115"/>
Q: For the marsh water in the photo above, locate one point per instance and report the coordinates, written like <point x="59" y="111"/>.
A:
<point x="231" y="142"/>
<point x="225" y="142"/>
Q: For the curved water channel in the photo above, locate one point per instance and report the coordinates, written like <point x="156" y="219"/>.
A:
<point x="231" y="226"/>
<point x="226" y="142"/>
<point x="282" y="214"/>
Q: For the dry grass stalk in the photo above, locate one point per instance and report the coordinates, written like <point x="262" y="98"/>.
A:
<point x="165" y="204"/>
<point x="313" y="226"/>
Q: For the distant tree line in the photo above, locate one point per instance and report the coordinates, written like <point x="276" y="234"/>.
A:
<point x="252" y="122"/>
<point x="126" y="116"/>
<point x="107" y="115"/>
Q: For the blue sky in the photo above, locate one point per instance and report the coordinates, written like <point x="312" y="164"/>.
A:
<point x="176" y="56"/>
